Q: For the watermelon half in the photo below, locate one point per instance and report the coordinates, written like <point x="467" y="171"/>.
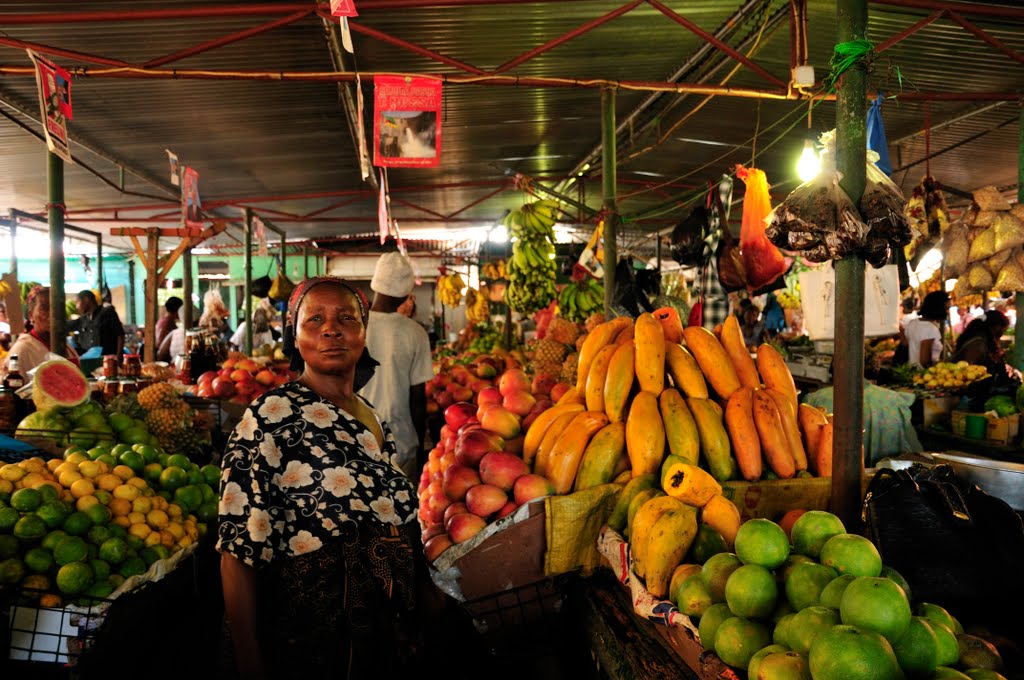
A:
<point x="58" y="384"/>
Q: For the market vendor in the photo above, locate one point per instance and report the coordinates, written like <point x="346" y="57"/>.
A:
<point x="924" y="334"/>
<point x="316" y="522"/>
<point x="979" y="343"/>
<point x="33" y="345"/>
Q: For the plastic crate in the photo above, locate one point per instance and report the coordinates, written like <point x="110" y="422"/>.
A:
<point x="524" y="618"/>
<point x="34" y="635"/>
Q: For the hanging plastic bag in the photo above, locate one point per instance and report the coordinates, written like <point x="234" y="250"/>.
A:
<point x="762" y="261"/>
<point x="1008" y="230"/>
<point x="281" y="288"/>
<point x="989" y="198"/>
<point x="957" y="247"/>
<point x="881" y="206"/>
<point x="689" y="238"/>
<point x="983" y="246"/>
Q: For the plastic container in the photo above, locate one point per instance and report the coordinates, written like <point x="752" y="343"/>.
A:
<point x="976" y="426"/>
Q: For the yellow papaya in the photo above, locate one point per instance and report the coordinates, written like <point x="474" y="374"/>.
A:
<point x="670" y="539"/>
<point x="690" y="484"/>
<point x="714" y="442"/>
<point x="645" y="435"/>
<point x="572" y="396"/>
<point x="535" y="434"/>
<point x="638" y="501"/>
<point x="594" y="394"/>
<point x="540" y="461"/>
<point x="685" y="372"/>
<point x="601" y="336"/>
<point x="566" y="454"/>
<point x="666" y="465"/>
<point x="774" y="444"/>
<point x="618" y="519"/>
<point x="723" y="516"/>
<point x="713" y="360"/>
<point x="623" y="477"/>
<point x="618" y="382"/>
<point x="824" y="453"/>
<point x="775" y="373"/>
<point x="742" y="362"/>
<point x="649" y="353"/>
<point x="625" y="336"/>
<point x="787" y="413"/>
<point x="812" y="421"/>
<point x="746" y="444"/>
<point x="640" y="531"/>
<point x="680" y="427"/>
<point x="601" y="456"/>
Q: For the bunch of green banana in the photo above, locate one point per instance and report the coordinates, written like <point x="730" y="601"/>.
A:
<point x="532" y="268"/>
<point x="478" y="309"/>
<point x="533" y="221"/>
<point x="449" y="289"/>
<point x="577" y="301"/>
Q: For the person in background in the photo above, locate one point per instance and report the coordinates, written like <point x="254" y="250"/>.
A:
<point x="979" y="343"/>
<point x="909" y="306"/>
<point x="398" y="388"/>
<point x="174" y="344"/>
<point x="5" y="325"/>
<point x="408" y="307"/>
<point x="32" y="346"/>
<point x="169" y="321"/>
<point x="96" y="325"/>
<point x="317" y="525"/>
<point x="261" y="333"/>
<point x="751" y="325"/>
<point x="924" y="335"/>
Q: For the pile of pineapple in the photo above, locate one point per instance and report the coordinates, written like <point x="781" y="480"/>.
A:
<point x="557" y="353"/>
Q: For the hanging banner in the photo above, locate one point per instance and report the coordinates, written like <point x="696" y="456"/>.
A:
<point x="259" y="231"/>
<point x="346" y="36"/>
<point x="364" y="155"/>
<point x="406" y="122"/>
<point x="382" y="207"/>
<point x="343" y="8"/>
<point x="173" y="167"/>
<point x="54" y="87"/>
<point x="191" y="204"/>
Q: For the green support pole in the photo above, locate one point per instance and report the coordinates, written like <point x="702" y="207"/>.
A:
<point x="284" y="272"/>
<point x="1018" y="330"/>
<point x="848" y="371"/>
<point x="186" y="289"/>
<point x="55" y="215"/>
<point x="131" y="292"/>
<point x="247" y="291"/>
<point x="99" y="263"/>
<point x="609" y="184"/>
<point x="305" y="262"/>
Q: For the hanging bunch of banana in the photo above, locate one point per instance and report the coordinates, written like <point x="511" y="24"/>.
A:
<point x="493" y="270"/>
<point x="449" y="289"/>
<point x="531" y="271"/>
<point x="578" y="300"/>
<point x="478" y="309"/>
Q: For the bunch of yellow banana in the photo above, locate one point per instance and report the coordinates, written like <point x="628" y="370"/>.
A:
<point x="4" y="288"/>
<point x="577" y="301"/>
<point x="449" y="289"/>
<point x="478" y="309"/>
<point x="493" y="270"/>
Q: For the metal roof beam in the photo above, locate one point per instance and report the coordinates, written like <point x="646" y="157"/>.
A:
<point x="985" y="37"/>
<point x="414" y="48"/>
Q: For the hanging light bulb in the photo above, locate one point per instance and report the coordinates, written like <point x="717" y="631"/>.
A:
<point x="809" y="165"/>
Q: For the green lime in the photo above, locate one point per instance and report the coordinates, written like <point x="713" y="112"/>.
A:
<point x="26" y="500"/>
<point x="77" y="524"/>
<point x="173" y="477"/>
<point x="30" y="528"/>
<point x="99" y="514"/>
<point x="74" y="578"/>
<point x="8" y="546"/>
<point x="39" y="560"/>
<point x="97" y="451"/>
<point x="207" y="512"/>
<point x="8" y="518"/>
<point x="133" y="566"/>
<point x="113" y="550"/>
<point x="53" y="513"/>
<point x="12" y="570"/>
<point x="134" y="460"/>
<point x="108" y="459"/>
<point x="51" y="539"/>
<point x="212" y="475"/>
<point x="120" y="422"/>
<point x="152" y="472"/>
<point x="190" y="498"/>
<point x="70" y="549"/>
<point x="98" y="534"/>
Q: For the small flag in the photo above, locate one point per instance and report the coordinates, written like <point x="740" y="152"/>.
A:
<point x="343" y="8"/>
<point x="53" y="84"/>
<point x="172" y="162"/>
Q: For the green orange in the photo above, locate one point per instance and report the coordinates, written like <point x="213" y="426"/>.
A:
<point x="812" y="529"/>
<point x="738" y="639"/>
<point x="762" y="542"/>
<point x="851" y="554"/>
<point x="876" y="604"/>
<point x="805" y="583"/>
<point x="751" y="591"/>
<point x="849" y="653"/>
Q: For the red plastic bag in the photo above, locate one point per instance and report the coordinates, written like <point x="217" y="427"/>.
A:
<point x="762" y="261"/>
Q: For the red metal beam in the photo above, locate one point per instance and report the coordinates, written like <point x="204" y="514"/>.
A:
<point x="413" y="47"/>
<point x="565" y="37"/>
<point x="960" y="7"/>
<point x="708" y="37"/>
<point x="61" y="52"/>
<point x="338" y="204"/>
<point x="478" y="201"/>
<point x="985" y="37"/>
<point x="228" y="39"/>
<point x="410" y="204"/>
<point x="907" y="32"/>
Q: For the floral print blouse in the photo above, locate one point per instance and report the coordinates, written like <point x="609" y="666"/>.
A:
<point x="298" y="471"/>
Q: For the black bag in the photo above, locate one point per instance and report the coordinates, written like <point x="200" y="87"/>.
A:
<point x="689" y="238"/>
<point x="955" y="545"/>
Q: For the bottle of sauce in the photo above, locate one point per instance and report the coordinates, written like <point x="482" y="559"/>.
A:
<point x="10" y="406"/>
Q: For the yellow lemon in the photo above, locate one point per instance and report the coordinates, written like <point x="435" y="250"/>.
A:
<point x="157" y="519"/>
<point x="140" y="530"/>
<point x="127" y="492"/>
<point x="124" y="472"/>
<point x="12" y="473"/>
<point x="86" y="502"/>
<point x="121" y="521"/>
<point x="120" y="506"/>
<point x="33" y="479"/>
<point x="174" y="510"/>
<point x="89" y="469"/>
<point x="167" y="539"/>
<point x="176" y="530"/>
<point x="76" y="458"/>
<point x="160" y="503"/>
<point x="138" y="482"/>
<point x="136" y="517"/>
<point x="53" y="464"/>
<point x="142" y="504"/>
<point x="68" y="477"/>
<point x="153" y="539"/>
<point x="82" y="487"/>
<point x="185" y="541"/>
<point x="34" y="464"/>
<point x="108" y="482"/>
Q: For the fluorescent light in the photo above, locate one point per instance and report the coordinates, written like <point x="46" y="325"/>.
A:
<point x="809" y="165"/>
<point x="498" y="234"/>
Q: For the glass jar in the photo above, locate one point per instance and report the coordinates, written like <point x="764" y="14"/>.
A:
<point x="111" y="387"/>
<point x="132" y="366"/>
<point x="128" y="386"/>
<point x="110" y="366"/>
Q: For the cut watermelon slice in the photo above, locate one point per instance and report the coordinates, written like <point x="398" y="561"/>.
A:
<point x="58" y="384"/>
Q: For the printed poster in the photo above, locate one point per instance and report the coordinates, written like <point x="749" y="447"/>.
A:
<point x="190" y="202"/>
<point x="343" y="8"/>
<point x="173" y="167"/>
<point x="406" y="122"/>
<point x="881" y="301"/>
<point x="54" y="87"/>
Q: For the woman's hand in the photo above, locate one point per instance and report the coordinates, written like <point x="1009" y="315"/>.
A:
<point x="242" y="607"/>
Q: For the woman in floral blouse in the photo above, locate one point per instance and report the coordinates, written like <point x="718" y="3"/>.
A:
<point x="316" y="519"/>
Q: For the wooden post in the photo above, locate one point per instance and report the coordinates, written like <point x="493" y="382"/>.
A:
<point x="55" y="215"/>
<point x="99" y="265"/>
<point x="152" y="276"/>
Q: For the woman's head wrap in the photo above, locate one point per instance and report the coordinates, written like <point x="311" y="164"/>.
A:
<point x="366" y="364"/>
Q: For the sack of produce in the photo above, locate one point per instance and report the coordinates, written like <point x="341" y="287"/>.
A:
<point x="962" y="289"/>
<point x="995" y="263"/>
<point x="1011" y="277"/>
<point x="1018" y="211"/>
<point x="1009" y="231"/>
<point x="989" y="198"/>
<point x="983" y="246"/>
<point x="762" y="261"/>
<point x="957" y="246"/>
<point x="980" y="278"/>
<point x="985" y="218"/>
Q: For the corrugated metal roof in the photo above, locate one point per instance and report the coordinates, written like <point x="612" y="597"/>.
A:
<point x="252" y="139"/>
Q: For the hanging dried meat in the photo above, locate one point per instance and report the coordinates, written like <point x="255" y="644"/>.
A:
<point x="928" y="216"/>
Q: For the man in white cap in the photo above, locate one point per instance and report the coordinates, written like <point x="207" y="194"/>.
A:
<point x="398" y="387"/>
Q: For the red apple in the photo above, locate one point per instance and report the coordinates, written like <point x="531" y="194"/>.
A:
<point x="451" y="388"/>
<point x="485" y="499"/>
<point x="454" y="509"/>
<point x="558" y="391"/>
<point x="433" y="547"/>
<point x="506" y="510"/>
<point x="443" y="399"/>
<point x="441" y="380"/>
<point x="247" y="365"/>
<point x="518" y="402"/>
<point x="501" y="421"/>
<point x="205" y="392"/>
<point x="240" y="375"/>
<point x="543" y="404"/>
<point x="223" y="388"/>
<point x="458" y="479"/>
<point x="502" y="469"/>
<point x="514" y="381"/>
<point x="429" y="389"/>
<point x="265" y="377"/>
<point x="433" y="408"/>
<point x="206" y="377"/>
<point x="472" y="446"/>
<point x="458" y="413"/>
<point x="464" y="526"/>
<point x="531" y="486"/>
<point x="435" y="529"/>
<point x="488" y="395"/>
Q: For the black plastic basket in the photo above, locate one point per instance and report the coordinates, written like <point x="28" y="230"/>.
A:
<point x="526" y="617"/>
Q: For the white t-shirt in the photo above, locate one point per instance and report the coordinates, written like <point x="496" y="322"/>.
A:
<point x="258" y="339"/>
<point x="907" y="318"/>
<point x="917" y="331"/>
<point x="403" y="350"/>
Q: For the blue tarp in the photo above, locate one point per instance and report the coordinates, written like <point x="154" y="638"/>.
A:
<point x="876" y="135"/>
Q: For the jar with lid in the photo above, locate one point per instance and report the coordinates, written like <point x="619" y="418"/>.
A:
<point x="128" y="386"/>
<point x="110" y="366"/>
<point x="111" y="387"/>
<point x="132" y="366"/>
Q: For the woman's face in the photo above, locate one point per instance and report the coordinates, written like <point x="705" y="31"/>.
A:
<point x="39" y="314"/>
<point x="329" y="330"/>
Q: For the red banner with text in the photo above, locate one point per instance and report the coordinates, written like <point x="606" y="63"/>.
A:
<point x="406" y="122"/>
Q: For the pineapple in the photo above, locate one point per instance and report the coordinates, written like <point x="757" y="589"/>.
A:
<point x="158" y="395"/>
<point x="549" y="351"/>
<point x="563" y="331"/>
<point x="593" y="321"/>
<point x="579" y="341"/>
<point x="547" y="368"/>
<point x="568" y="372"/>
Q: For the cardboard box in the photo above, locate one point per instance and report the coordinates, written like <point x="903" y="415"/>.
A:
<point x="1001" y="430"/>
<point x="937" y="410"/>
<point x="772" y="498"/>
